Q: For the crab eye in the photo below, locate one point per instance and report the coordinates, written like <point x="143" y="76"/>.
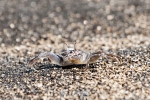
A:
<point x="71" y="51"/>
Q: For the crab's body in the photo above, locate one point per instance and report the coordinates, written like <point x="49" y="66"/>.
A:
<point x="68" y="57"/>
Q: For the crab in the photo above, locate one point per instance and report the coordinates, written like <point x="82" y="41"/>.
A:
<point x="70" y="57"/>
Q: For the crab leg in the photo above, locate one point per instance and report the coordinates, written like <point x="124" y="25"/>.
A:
<point x="109" y="55"/>
<point x="53" y="58"/>
<point x="95" y="56"/>
<point x="114" y="57"/>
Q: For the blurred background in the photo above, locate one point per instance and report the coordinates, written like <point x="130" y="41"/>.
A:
<point x="89" y="22"/>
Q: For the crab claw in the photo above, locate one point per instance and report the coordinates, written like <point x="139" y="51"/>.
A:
<point x="53" y="58"/>
<point x="94" y="58"/>
<point x="32" y="61"/>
